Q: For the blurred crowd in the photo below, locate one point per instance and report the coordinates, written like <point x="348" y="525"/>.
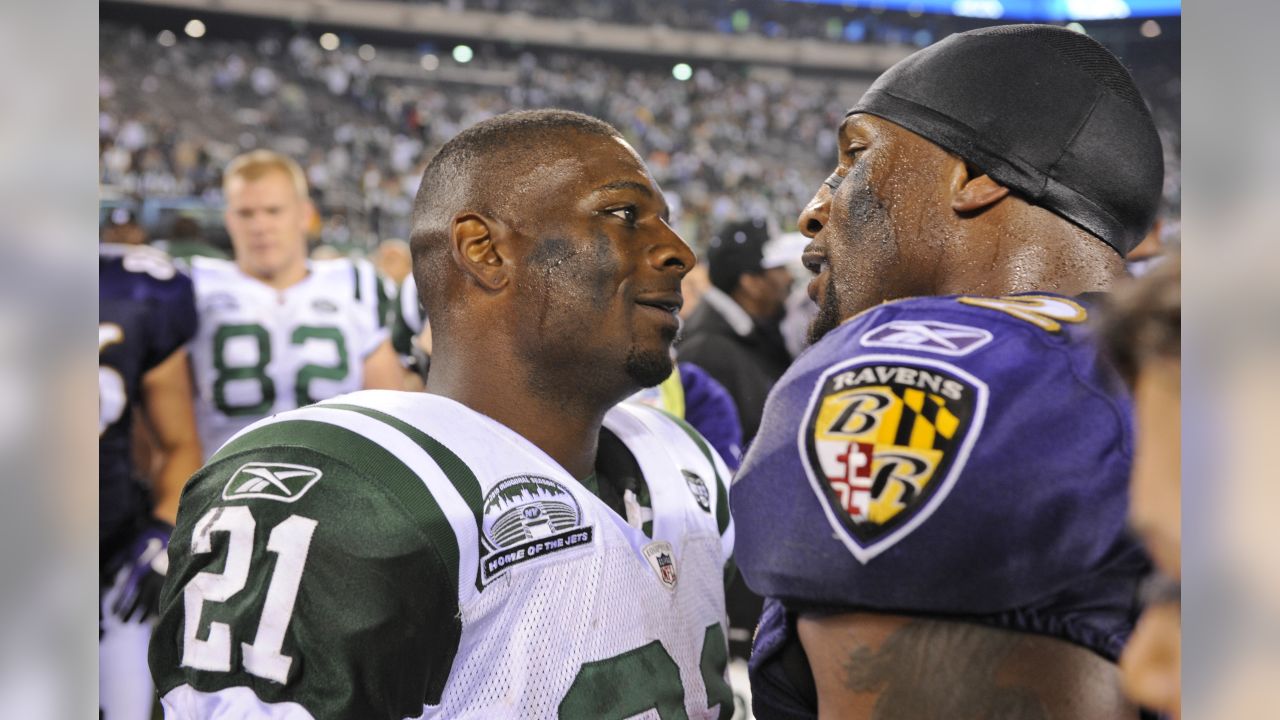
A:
<point x="839" y="22"/>
<point x="730" y="142"/>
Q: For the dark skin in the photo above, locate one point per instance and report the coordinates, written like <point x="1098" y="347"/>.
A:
<point x="908" y="218"/>
<point x="901" y="217"/>
<point x="564" y="299"/>
<point x="883" y="667"/>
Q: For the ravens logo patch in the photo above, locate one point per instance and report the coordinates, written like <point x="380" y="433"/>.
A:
<point x="884" y="440"/>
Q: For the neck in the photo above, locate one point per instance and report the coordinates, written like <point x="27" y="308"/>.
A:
<point x="281" y="279"/>
<point x="1051" y="255"/>
<point x="560" y="418"/>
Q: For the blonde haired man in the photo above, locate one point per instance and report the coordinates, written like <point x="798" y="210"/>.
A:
<point x="278" y="331"/>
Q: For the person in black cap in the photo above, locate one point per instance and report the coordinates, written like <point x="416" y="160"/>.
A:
<point x="935" y="503"/>
<point x="734" y="332"/>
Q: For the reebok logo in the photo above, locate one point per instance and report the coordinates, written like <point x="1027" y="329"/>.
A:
<point x="270" y="481"/>
<point x="927" y="335"/>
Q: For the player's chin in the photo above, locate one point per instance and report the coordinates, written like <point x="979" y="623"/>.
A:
<point x="827" y="319"/>
<point x="649" y="366"/>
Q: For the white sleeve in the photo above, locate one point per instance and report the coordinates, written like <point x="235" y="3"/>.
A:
<point x="186" y="703"/>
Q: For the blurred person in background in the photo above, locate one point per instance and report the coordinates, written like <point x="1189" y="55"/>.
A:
<point x="279" y="331"/>
<point x="694" y="396"/>
<point x="734" y="334"/>
<point x="937" y="501"/>
<point x="122" y="228"/>
<point x="693" y="286"/>
<point x="1149" y="253"/>
<point x="1142" y="332"/>
<point x="411" y="334"/>
<point x="325" y="251"/>
<point x="186" y="240"/>
<point x="146" y="314"/>
<point x="799" y="310"/>
<point x="514" y="542"/>
<point x="392" y="260"/>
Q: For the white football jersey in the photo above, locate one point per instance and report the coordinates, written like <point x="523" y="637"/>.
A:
<point x="616" y="593"/>
<point x="547" y="602"/>
<point x="260" y="351"/>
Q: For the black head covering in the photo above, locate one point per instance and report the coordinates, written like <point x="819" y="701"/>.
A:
<point x="1045" y="111"/>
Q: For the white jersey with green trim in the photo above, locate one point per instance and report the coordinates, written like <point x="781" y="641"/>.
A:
<point x="547" y="603"/>
<point x="261" y="351"/>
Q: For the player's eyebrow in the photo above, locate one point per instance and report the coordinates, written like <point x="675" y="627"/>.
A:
<point x="853" y="124"/>
<point x="627" y="185"/>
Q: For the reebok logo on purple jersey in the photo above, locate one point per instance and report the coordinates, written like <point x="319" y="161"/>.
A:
<point x="927" y="336"/>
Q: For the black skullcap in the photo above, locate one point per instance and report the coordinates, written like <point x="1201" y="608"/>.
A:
<point x="1045" y="111"/>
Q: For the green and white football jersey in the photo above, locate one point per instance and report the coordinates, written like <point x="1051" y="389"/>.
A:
<point x="398" y="555"/>
<point x="261" y="351"/>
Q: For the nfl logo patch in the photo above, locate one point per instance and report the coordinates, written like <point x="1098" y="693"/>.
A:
<point x="663" y="562"/>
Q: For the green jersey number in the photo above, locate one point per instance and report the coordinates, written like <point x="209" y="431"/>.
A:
<point x="607" y="689"/>
<point x="258" y="371"/>
<point x="290" y="541"/>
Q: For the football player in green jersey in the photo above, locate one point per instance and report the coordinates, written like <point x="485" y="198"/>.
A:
<point x="512" y="543"/>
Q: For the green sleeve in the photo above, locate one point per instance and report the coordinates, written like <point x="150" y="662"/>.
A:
<point x="373" y="628"/>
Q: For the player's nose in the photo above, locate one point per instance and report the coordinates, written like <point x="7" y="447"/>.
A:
<point x="670" y="253"/>
<point x="814" y="216"/>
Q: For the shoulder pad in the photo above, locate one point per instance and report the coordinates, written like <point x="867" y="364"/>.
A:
<point x="948" y="454"/>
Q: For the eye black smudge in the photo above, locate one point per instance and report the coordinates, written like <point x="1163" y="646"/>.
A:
<point x="549" y="253"/>
<point x="605" y="267"/>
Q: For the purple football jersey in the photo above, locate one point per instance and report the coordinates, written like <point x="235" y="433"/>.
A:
<point x="146" y="311"/>
<point x="957" y="456"/>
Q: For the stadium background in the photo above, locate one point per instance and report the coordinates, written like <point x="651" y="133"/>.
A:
<point x="733" y="103"/>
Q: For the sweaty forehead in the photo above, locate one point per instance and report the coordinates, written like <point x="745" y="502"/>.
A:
<point x="570" y="165"/>
<point x="868" y="127"/>
<point x="886" y="136"/>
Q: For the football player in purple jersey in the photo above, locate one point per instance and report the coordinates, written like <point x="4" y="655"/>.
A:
<point x="146" y="314"/>
<point x="936" y="502"/>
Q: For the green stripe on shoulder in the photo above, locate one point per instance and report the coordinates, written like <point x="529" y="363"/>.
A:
<point x="459" y="475"/>
<point x="369" y="460"/>
<point x="722" y="487"/>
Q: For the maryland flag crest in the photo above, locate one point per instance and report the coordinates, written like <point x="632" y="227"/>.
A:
<point x="885" y="438"/>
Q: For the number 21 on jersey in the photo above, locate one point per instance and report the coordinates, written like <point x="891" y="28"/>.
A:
<point x="290" y="541"/>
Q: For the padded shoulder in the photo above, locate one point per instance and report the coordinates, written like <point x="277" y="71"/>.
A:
<point x="348" y="564"/>
<point x="950" y="454"/>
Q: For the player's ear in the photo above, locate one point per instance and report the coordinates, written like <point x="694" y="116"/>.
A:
<point x="974" y="191"/>
<point x="476" y="243"/>
<point x="309" y="216"/>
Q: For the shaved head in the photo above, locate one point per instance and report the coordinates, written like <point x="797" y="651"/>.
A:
<point x="486" y="169"/>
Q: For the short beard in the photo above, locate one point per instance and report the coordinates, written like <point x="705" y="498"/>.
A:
<point x="650" y="368"/>
<point x="829" y="316"/>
